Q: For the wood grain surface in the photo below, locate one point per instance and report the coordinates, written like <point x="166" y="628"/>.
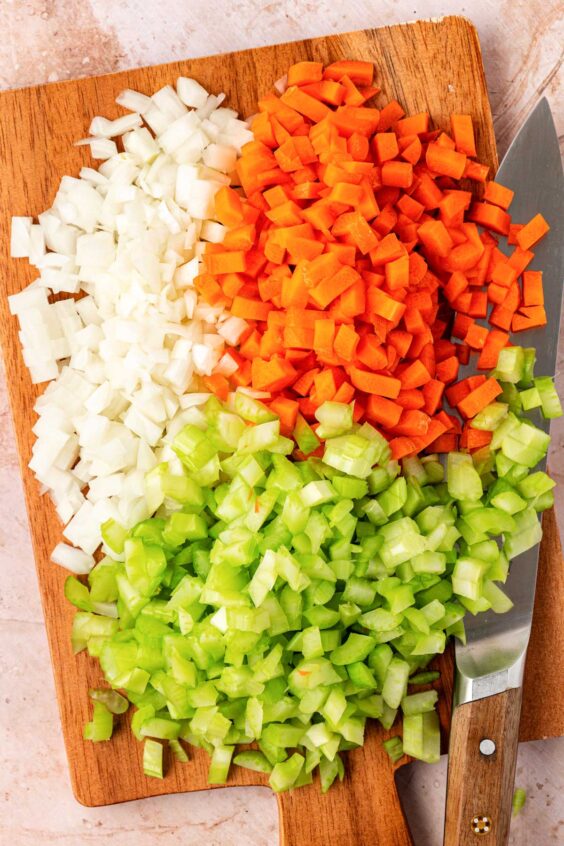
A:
<point x="480" y="786"/>
<point x="434" y="66"/>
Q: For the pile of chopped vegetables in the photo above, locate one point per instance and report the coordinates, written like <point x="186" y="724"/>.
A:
<point x="248" y="408"/>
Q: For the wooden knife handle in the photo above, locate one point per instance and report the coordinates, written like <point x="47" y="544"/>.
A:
<point x="481" y="770"/>
<point x="363" y="810"/>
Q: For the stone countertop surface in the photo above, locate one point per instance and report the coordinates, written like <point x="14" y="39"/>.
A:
<point x="49" y="40"/>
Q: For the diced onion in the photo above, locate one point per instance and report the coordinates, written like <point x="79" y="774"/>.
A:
<point x="119" y="360"/>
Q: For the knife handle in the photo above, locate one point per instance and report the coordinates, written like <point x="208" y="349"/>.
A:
<point x="481" y="770"/>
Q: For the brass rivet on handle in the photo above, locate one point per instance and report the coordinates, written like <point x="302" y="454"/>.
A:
<point x="481" y="824"/>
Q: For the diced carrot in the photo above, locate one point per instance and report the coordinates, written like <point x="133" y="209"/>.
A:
<point x="327" y="90"/>
<point x="273" y="375"/>
<point x="324" y="335"/>
<point x="463" y="133"/>
<point x="218" y="385"/>
<point x="346" y="342"/>
<point x="345" y="393"/>
<point x="530" y="317"/>
<point x="492" y="217"/>
<point x="478" y="398"/>
<point x="371" y="353"/>
<point x="250" y="309"/>
<point x="520" y="259"/>
<point x="359" y="72"/>
<point x="415" y="375"/>
<point x="330" y="288"/>
<point x="495" y="342"/>
<point x="383" y="411"/>
<point x="444" y="161"/>
<point x="413" y="125"/>
<point x="375" y="383"/>
<point x="287" y="411"/>
<point x="533" y="294"/>
<point x="447" y="369"/>
<point x="324" y="387"/>
<point x="476" y="336"/>
<point x="444" y="443"/>
<point x="385" y="146"/>
<point x="389" y="115"/>
<point x="532" y="232"/>
<point x="228" y="207"/>
<point x="304" y="72"/>
<point x="397" y="174"/>
<point x="514" y="228"/>
<point x="474" y="438"/>
<point x="499" y="195"/>
<point x="435" y="237"/>
<point x="476" y="171"/>
<point x="411" y="398"/>
<point x="433" y="394"/>
<point x="401" y="447"/>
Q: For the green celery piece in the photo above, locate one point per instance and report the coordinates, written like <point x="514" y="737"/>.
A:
<point x="335" y="417"/>
<point x="178" y="751"/>
<point x="114" y="701"/>
<point x="329" y="771"/>
<point x="394" y="748"/>
<point x="530" y="399"/>
<point x="550" y="402"/>
<point x="518" y="801"/>
<point x="254" y="760"/>
<point x="425" y="677"/>
<point x="77" y="594"/>
<point x="220" y="764"/>
<point x="510" y="365"/>
<point x="489" y="418"/>
<point x="305" y="437"/>
<point x="252" y="409"/>
<point x="395" y="683"/>
<point x="357" y="647"/>
<point x="285" y="774"/>
<point x="421" y="736"/>
<point x="463" y="481"/>
<point x="113" y="535"/>
<point x="101" y="726"/>
<point x="153" y="759"/>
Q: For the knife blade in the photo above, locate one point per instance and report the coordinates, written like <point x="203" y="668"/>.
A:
<point x="493" y="658"/>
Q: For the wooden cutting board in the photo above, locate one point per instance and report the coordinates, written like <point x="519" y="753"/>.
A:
<point x="434" y="66"/>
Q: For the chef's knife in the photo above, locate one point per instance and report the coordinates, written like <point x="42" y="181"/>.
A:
<point x="487" y="699"/>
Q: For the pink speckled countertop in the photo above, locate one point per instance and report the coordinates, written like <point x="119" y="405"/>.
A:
<point x="48" y="40"/>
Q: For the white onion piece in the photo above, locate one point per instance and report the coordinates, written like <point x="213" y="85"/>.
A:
<point x="76" y="560"/>
<point x="20" y="237"/>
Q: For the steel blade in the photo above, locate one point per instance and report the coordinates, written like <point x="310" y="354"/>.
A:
<point x="494" y="656"/>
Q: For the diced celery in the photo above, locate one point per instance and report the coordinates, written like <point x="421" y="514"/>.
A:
<point x="489" y="418"/>
<point x="285" y="774"/>
<point x="153" y="759"/>
<point x="101" y="726"/>
<point x="550" y="401"/>
<point x="306" y="438"/>
<point x="464" y="482"/>
<point x="219" y="765"/>
<point x="419" y="703"/>
<point x="394" y="748"/>
<point x="510" y="365"/>
<point x="421" y="736"/>
<point x="395" y="683"/>
<point x="254" y="760"/>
